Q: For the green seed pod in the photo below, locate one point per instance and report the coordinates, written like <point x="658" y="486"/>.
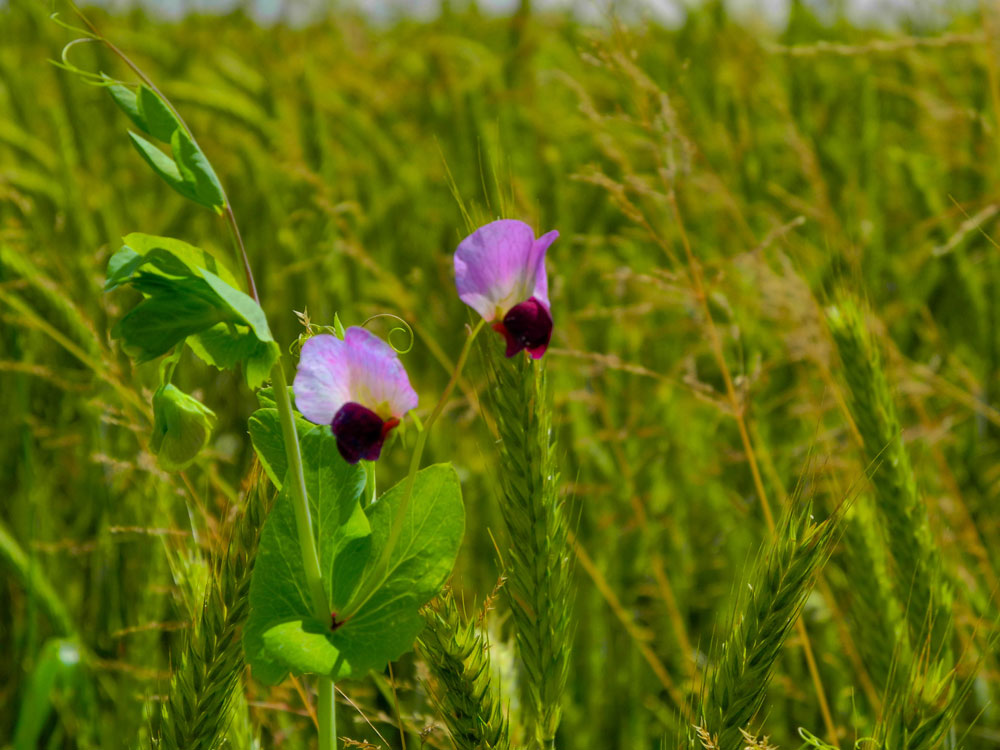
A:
<point x="182" y="426"/>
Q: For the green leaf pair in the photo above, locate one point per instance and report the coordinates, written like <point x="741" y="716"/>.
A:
<point x="188" y="171"/>
<point x="374" y="609"/>
<point x="184" y="300"/>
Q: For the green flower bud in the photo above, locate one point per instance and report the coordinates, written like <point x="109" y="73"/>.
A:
<point x="182" y="426"/>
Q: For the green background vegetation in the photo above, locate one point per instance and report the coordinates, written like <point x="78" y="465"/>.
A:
<point x="798" y="166"/>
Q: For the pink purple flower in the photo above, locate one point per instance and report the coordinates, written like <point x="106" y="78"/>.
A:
<point x="500" y="273"/>
<point x="356" y="385"/>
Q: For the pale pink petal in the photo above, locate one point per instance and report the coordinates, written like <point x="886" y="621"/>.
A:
<point x="378" y="379"/>
<point x="496" y="267"/>
<point x="323" y="383"/>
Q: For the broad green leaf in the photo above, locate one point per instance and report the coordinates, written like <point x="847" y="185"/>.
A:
<point x="224" y="346"/>
<point x="196" y="170"/>
<point x="304" y="646"/>
<point x="163" y="165"/>
<point x="191" y="256"/>
<point x="386" y="621"/>
<point x="241" y="304"/>
<point x="157" y="324"/>
<point x="386" y="625"/>
<point x="160" y="121"/>
<point x="187" y="301"/>
<point x="182" y="426"/>
<point x="265" y="433"/>
<point x="278" y="592"/>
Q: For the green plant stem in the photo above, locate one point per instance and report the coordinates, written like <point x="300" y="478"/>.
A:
<point x="310" y="558"/>
<point x="327" y="711"/>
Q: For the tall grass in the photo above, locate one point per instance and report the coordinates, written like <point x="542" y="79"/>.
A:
<point x="792" y="166"/>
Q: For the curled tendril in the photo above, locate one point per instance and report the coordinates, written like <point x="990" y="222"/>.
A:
<point x="94" y="79"/>
<point x="54" y="17"/>
<point x="404" y="328"/>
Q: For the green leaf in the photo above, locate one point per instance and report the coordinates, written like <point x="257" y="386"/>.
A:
<point x="304" y="646"/>
<point x="278" y="591"/>
<point x="58" y="667"/>
<point x="163" y="165"/>
<point x="386" y="625"/>
<point x="157" y="324"/>
<point x="191" y="256"/>
<point x="224" y="346"/>
<point x="185" y="300"/>
<point x="268" y="442"/>
<point x="283" y="634"/>
<point x="182" y="426"/>
<point x="159" y="120"/>
<point x="196" y="170"/>
<point x="126" y="100"/>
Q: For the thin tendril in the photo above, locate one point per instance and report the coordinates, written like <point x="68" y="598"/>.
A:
<point x="54" y="17"/>
<point x="404" y="328"/>
<point x="91" y="79"/>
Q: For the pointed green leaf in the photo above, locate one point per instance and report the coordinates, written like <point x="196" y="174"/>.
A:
<point x="163" y="165"/>
<point x="386" y="625"/>
<point x="126" y="100"/>
<point x="196" y="170"/>
<point x="160" y="121"/>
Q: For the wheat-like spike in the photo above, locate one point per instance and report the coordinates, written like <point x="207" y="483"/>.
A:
<point x="539" y="566"/>
<point x="921" y="707"/>
<point x="196" y="713"/>
<point x="875" y="616"/>
<point x="782" y="578"/>
<point x="462" y="686"/>
<point x="922" y="585"/>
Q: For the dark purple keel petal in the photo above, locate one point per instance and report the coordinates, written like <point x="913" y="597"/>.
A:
<point x="360" y="432"/>
<point x="527" y="325"/>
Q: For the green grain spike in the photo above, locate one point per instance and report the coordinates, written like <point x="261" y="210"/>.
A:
<point x="539" y="566"/>
<point x="921" y="583"/>
<point x="462" y="686"/>
<point x="782" y="578"/>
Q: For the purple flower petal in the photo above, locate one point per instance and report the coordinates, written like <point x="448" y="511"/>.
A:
<point x="361" y="369"/>
<point x="360" y="432"/>
<point x="378" y="379"/>
<point x="527" y="325"/>
<point x="323" y="383"/>
<point x="501" y="265"/>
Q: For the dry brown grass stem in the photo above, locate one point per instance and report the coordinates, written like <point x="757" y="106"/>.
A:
<point x="881" y="46"/>
<point x="641" y="641"/>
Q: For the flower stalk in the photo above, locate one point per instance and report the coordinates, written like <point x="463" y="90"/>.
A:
<point x="418" y="452"/>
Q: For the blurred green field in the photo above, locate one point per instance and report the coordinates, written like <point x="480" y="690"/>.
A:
<point x="797" y="164"/>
